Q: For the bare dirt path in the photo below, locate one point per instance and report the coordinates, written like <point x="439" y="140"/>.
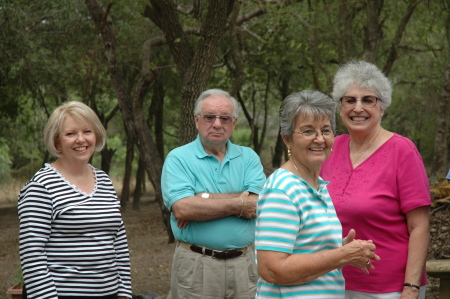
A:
<point x="151" y="255"/>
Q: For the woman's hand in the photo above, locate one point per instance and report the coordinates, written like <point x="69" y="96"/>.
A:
<point x="359" y="252"/>
<point x="350" y="237"/>
<point x="410" y="293"/>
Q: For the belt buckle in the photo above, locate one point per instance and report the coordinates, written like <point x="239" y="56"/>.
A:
<point x="222" y="251"/>
<point x="218" y="251"/>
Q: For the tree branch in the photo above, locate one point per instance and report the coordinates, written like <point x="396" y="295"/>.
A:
<point x="236" y="53"/>
<point x="393" y="53"/>
<point x="164" y="14"/>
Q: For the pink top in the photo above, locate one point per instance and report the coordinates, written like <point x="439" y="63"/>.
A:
<point x="373" y="199"/>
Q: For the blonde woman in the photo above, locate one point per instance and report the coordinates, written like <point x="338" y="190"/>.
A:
<point x="72" y="238"/>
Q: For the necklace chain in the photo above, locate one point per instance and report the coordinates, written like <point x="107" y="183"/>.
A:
<point x="371" y="142"/>
<point x="295" y="166"/>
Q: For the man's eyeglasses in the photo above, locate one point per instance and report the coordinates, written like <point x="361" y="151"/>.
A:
<point x="211" y="118"/>
<point x="366" y="101"/>
<point x="311" y="134"/>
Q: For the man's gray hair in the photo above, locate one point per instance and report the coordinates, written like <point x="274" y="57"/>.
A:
<point x="212" y="93"/>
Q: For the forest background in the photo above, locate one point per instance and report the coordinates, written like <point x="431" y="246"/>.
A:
<point x="141" y="64"/>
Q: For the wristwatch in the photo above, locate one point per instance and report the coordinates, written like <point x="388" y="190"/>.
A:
<point x="205" y="195"/>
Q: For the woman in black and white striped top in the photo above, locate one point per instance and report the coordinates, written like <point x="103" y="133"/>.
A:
<point x="72" y="238"/>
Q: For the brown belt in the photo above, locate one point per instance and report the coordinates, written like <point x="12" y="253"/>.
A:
<point x="215" y="254"/>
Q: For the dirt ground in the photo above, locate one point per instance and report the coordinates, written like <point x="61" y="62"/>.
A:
<point x="151" y="255"/>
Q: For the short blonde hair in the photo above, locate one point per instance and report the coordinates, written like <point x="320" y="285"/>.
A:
<point x="77" y="110"/>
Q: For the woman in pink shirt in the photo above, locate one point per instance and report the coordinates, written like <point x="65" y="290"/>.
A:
<point x="379" y="187"/>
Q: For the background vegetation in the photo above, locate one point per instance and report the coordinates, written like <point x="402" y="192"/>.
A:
<point x="140" y="64"/>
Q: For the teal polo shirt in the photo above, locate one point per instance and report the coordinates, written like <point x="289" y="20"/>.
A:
<point x="189" y="170"/>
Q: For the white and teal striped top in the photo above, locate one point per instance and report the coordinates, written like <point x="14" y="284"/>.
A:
<point x="295" y="218"/>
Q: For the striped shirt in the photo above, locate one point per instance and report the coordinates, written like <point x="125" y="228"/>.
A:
<point x="72" y="243"/>
<point x="295" y="218"/>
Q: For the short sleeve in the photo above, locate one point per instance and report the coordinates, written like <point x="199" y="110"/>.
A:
<point x="175" y="181"/>
<point x="278" y="222"/>
<point x="412" y="180"/>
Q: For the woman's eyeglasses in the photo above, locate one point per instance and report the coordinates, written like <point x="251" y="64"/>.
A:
<point x="311" y="134"/>
<point x="366" y="101"/>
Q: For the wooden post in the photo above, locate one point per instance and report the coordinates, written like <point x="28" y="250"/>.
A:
<point x="441" y="270"/>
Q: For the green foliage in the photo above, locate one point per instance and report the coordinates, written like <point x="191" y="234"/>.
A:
<point x="18" y="278"/>
<point x="5" y="163"/>
<point x="50" y="51"/>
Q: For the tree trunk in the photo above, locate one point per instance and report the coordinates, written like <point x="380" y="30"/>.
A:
<point x="156" y="112"/>
<point x="194" y="66"/>
<point x="132" y="116"/>
<point x="345" y="43"/>
<point x="260" y="138"/>
<point x="393" y="53"/>
<point x="89" y="96"/>
<point x="440" y="167"/>
<point x="125" y="195"/>
<point x="140" y="179"/>
<point x="278" y="152"/>
<point x="236" y="53"/>
<point x="374" y="33"/>
<point x="285" y="90"/>
<point x="107" y="155"/>
<point x="148" y="150"/>
<point x="249" y="118"/>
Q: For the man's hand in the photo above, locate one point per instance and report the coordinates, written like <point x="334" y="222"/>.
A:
<point x="248" y="205"/>
<point x="182" y="223"/>
<point x="216" y="206"/>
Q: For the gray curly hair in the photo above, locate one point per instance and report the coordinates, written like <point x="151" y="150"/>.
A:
<point x="365" y="75"/>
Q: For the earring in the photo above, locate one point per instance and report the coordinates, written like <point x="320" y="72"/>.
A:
<point x="289" y="152"/>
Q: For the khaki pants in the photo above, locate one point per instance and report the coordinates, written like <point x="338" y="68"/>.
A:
<point x="196" y="275"/>
<point x="393" y="295"/>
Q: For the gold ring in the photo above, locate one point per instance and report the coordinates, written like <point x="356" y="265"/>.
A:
<point x="368" y="262"/>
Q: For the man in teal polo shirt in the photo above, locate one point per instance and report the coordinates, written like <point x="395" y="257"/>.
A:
<point x="211" y="187"/>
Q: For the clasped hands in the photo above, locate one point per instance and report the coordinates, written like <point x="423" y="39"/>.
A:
<point x="360" y="252"/>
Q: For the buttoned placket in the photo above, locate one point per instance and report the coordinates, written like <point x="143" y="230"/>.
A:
<point x="324" y="203"/>
<point x="216" y="169"/>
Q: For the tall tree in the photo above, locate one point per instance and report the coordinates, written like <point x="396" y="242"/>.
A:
<point x="131" y="105"/>
<point x="441" y="142"/>
<point x="374" y="33"/>
<point x="194" y="64"/>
